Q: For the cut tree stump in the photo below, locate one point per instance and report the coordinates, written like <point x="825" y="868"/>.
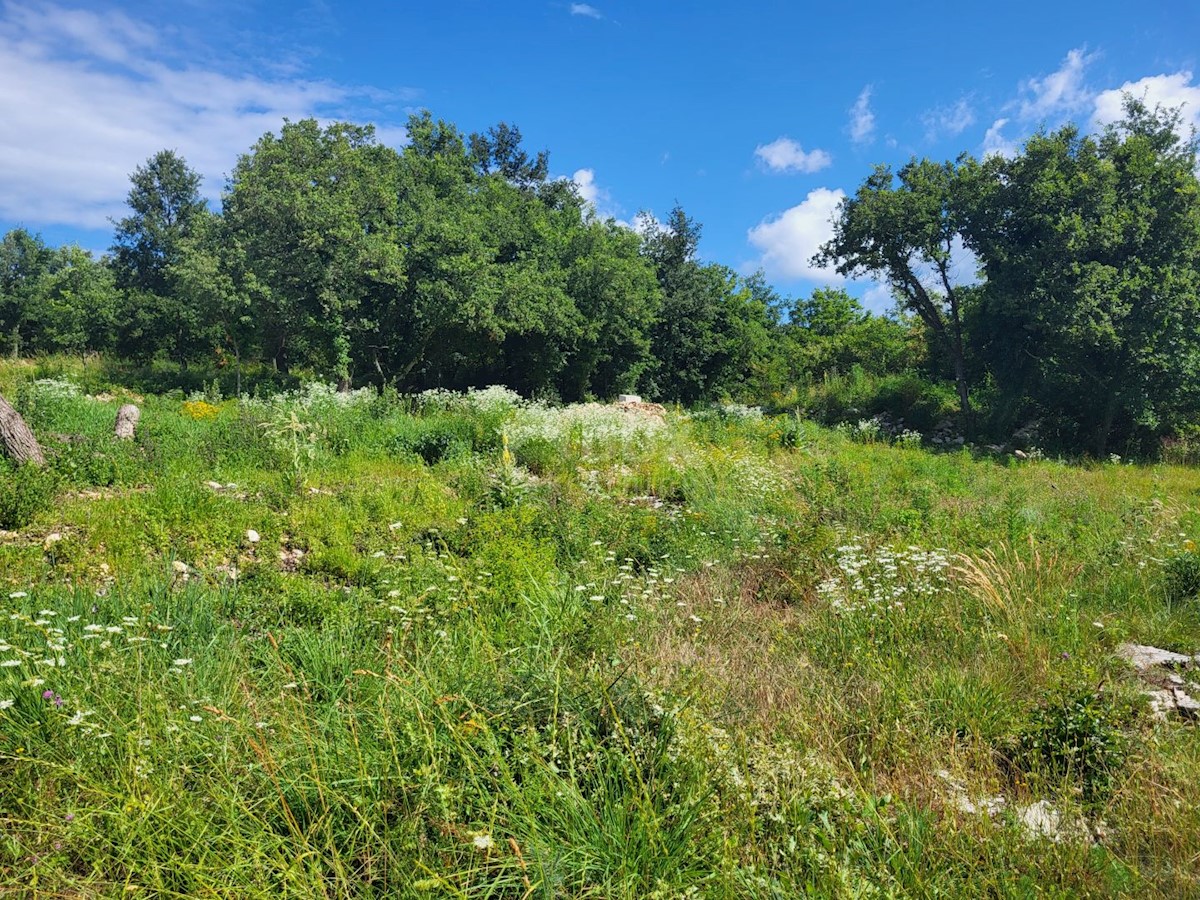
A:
<point x="17" y="440"/>
<point x="127" y="419"/>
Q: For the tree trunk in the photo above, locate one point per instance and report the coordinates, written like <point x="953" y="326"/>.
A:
<point x="127" y="419"/>
<point x="1104" y="429"/>
<point x="16" y="439"/>
<point x="960" y="378"/>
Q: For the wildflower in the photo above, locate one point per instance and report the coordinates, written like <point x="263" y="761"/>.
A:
<point x="10" y="663"/>
<point x="17" y="595"/>
<point x="182" y="662"/>
<point x="483" y="842"/>
<point x="6" y="704"/>
<point x="196" y="718"/>
<point x="47" y="694"/>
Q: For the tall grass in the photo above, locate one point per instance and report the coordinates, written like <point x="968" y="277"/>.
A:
<point x="465" y="646"/>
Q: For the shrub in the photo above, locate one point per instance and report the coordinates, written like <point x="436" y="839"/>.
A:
<point x="1078" y="737"/>
<point x="1181" y="574"/>
<point x="24" y="492"/>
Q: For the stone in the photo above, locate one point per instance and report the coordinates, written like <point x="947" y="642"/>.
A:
<point x="1144" y="657"/>
<point x="252" y="536"/>
<point x="1043" y="820"/>
<point x="1161" y="702"/>
<point x="1187" y="705"/>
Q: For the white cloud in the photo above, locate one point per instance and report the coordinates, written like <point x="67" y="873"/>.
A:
<point x="878" y="298"/>
<point x="862" y="120"/>
<point x="996" y="144"/>
<point x="948" y="121"/>
<point x="585" y="183"/>
<point x="598" y="198"/>
<point x="785" y="155"/>
<point x="85" y="98"/>
<point x="1169" y="91"/>
<point x="1058" y="94"/>
<point x="583" y="9"/>
<point x="788" y="241"/>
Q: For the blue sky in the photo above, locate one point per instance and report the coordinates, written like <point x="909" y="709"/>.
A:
<point x="755" y="117"/>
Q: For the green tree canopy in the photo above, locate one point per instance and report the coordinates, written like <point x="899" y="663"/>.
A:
<point x="905" y="229"/>
<point x="1091" y="306"/>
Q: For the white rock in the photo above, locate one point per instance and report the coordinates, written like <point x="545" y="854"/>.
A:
<point x="252" y="536"/>
<point x="1143" y="657"/>
<point x="1186" y="704"/>
<point x="629" y="398"/>
<point x="215" y="485"/>
<point x="1042" y="820"/>
<point x="1162" y="703"/>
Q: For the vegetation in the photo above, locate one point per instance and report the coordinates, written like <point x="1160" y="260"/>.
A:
<point x="355" y="644"/>
<point x="457" y="262"/>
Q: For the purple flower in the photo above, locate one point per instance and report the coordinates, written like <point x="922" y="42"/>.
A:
<point x="70" y="817"/>
<point x="58" y="701"/>
<point x="47" y="695"/>
<point x="1066" y="655"/>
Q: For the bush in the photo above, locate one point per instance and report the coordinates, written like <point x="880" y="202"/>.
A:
<point x="24" y="492"/>
<point x="909" y="400"/>
<point x="1181" y="574"/>
<point x="441" y="440"/>
<point x="1077" y="737"/>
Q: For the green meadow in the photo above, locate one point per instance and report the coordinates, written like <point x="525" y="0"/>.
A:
<point x="311" y="644"/>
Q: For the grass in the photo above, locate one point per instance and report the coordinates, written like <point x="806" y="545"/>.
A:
<point x="487" y="649"/>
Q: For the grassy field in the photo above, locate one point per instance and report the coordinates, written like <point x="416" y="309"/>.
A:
<point x="314" y="645"/>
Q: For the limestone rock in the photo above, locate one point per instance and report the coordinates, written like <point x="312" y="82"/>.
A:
<point x="1144" y="657"/>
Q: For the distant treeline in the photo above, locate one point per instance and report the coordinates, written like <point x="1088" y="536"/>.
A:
<point x="458" y="261"/>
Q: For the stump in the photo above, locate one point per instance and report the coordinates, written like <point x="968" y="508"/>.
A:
<point x="16" y="439"/>
<point x="127" y="419"/>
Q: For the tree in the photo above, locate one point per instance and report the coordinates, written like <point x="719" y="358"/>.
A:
<point x="78" y="304"/>
<point x="164" y="201"/>
<point x="693" y="339"/>
<point x="835" y="333"/>
<point x="499" y="151"/>
<point x="906" y="230"/>
<point x="618" y="297"/>
<point x="16" y="440"/>
<point x="24" y="261"/>
<point x="488" y="253"/>
<point x="314" y="210"/>
<point x="213" y="276"/>
<point x="1091" y="248"/>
